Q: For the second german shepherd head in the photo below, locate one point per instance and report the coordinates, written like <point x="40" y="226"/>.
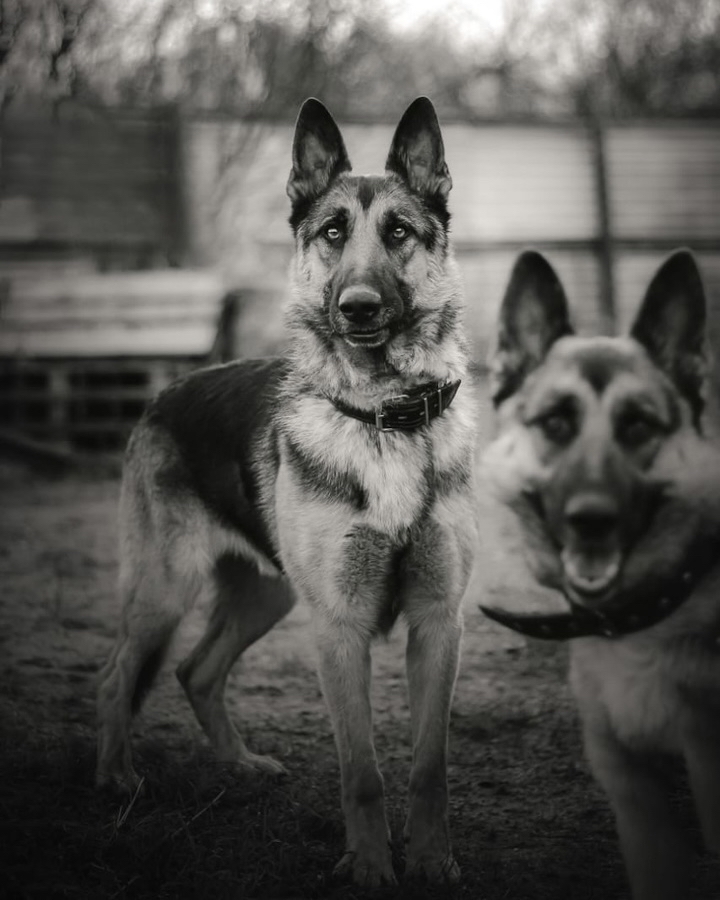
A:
<point x="600" y="436"/>
<point x="376" y="303"/>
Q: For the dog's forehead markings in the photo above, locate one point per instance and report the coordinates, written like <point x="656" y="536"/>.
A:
<point x="599" y="361"/>
<point x="555" y="385"/>
<point x="364" y="190"/>
<point x="368" y="187"/>
<point x="368" y="201"/>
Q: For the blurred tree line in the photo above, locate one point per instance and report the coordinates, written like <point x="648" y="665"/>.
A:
<point x="619" y="58"/>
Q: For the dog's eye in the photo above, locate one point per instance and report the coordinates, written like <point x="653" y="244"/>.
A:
<point x="332" y="233"/>
<point x="398" y="233"/>
<point x="634" y="431"/>
<point x="558" y="428"/>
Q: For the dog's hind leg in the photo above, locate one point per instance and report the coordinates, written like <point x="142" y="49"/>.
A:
<point x="147" y="624"/>
<point x="247" y="605"/>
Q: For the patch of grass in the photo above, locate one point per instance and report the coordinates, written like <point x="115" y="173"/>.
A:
<point x="197" y="829"/>
<point x="527" y="821"/>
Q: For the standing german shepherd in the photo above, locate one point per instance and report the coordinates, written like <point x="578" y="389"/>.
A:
<point x="342" y="474"/>
<point x="602" y="456"/>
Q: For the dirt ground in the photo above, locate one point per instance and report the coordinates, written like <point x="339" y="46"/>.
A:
<point x="528" y="822"/>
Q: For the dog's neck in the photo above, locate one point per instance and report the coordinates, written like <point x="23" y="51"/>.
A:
<point x="416" y="408"/>
<point x="363" y="379"/>
<point x="642" y="610"/>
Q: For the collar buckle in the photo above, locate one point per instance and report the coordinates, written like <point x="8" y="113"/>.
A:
<point x="406" y="412"/>
<point x="382" y="410"/>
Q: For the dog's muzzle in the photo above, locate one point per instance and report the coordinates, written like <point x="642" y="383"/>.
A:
<point x="362" y="317"/>
<point x="360" y="305"/>
<point x="591" y="556"/>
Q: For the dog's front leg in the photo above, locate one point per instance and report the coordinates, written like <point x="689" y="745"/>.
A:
<point x="433" y="653"/>
<point x="656" y="853"/>
<point x="344" y="665"/>
<point x="701" y="746"/>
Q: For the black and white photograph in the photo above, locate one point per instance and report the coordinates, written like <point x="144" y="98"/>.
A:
<point x="360" y="449"/>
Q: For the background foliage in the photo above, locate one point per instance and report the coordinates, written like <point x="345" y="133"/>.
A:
<point x="257" y="57"/>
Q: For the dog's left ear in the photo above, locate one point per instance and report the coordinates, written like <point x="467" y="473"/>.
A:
<point x="671" y="325"/>
<point x="533" y="315"/>
<point x="417" y="153"/>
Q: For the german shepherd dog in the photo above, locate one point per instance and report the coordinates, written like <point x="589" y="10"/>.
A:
<point x="601" y="454"/>
<point x="342" y="474"/>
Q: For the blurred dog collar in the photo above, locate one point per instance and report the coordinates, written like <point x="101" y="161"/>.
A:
<point x="642" y="611"/>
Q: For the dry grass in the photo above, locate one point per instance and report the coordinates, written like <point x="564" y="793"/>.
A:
<point x="528" y="822"/>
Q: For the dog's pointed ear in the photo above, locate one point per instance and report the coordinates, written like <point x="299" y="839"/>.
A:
<point x="671" y="325"/>
<point x="318" y="153"/>
<point x="417" y="152"/>
<point x="533" y="315"/>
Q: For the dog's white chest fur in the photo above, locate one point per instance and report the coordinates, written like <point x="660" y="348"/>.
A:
<point x="629" y="688"/>
<point x="393" y="473"/>
<point x="391" y="468"/>
<point x="641" y="686"/>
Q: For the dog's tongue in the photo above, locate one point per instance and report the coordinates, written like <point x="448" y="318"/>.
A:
<point x="590" y="572"/>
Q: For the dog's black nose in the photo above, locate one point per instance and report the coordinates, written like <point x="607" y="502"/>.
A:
<point x="592" y="516"/>
<point x="360" y="305"/>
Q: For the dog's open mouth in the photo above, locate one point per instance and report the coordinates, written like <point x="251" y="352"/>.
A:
<point x="590" y="576"/>
<point x="367" y="339"/>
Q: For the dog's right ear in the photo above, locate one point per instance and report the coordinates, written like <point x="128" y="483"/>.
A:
<point x="671" y="325"/>
<point x="533" y="315"/>
<point x="318" y="153"/>
<point x="417" y="152"/>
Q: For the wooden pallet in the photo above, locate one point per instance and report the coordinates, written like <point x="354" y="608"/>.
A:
<point x="81" y="356"/>
<point x="83" y="404"/>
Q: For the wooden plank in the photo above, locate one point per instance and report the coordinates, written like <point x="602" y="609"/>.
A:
<point x="52" y="459"/>
<point x="120" y="392"/>
<point x="158" y="313"/>
<point x="194" y="341"/>
<point x="128" y="286"/>
<point x="16" y="316"/>
<point x="665" y="181"/>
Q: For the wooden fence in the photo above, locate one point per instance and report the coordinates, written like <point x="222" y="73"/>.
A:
<point x="80" y="354"/>
<point x="606" y="204"/>
<point x="92" y="184"/>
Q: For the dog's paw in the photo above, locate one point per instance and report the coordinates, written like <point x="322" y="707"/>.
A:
<point x="437" y="870"/>
<point x="260" y="764"/>
<point x="122" y="785"/>
<point x="368" y="870"/>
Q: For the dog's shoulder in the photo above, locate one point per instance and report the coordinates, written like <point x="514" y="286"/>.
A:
<point x="220" y="406"/>
<point x="211" y="435"/>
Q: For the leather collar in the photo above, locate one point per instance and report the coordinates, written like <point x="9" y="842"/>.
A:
<point x="406" y="412"/>
<point x="646" y="608"/>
